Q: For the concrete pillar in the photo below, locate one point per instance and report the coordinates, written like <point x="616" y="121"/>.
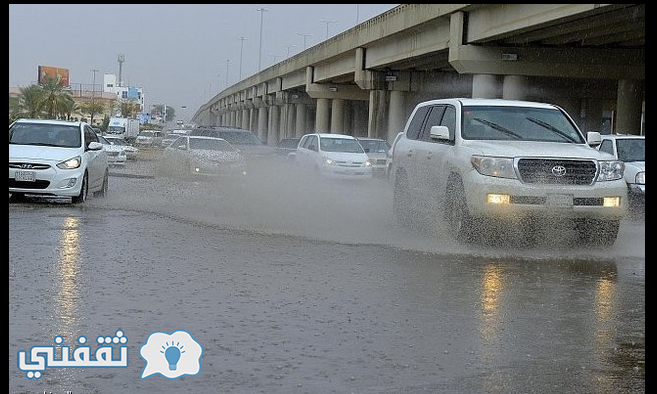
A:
<point x="274" y="124"/>
<point x="300" y="127"/>
<point x="515" y="87"/>
<point x="485" y="86"/>
<point x="262" y="123"/>
<point x="245" y="119"/>
<point x="322" y="117"/>
<point x="253" y="120"/>
<point x="629" y="106"/>
<point x="376" y="120"/>
<point x="290" y="120"/>
<point x="337" y="117"/>
<point x="396" y="115"/>
<point x="592" y="111"/>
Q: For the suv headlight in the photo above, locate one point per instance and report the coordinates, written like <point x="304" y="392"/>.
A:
<point x="500" y="167"/>
<point x="640" y="178"/>
<point x="611" y="170"/>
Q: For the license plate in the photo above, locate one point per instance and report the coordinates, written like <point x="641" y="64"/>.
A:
<point x="25" y="176"/>
<point x="559" y="200"/>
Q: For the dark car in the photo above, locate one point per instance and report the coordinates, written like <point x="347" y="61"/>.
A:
<point x="247" y="142"/>
<point x="286" y="146"/>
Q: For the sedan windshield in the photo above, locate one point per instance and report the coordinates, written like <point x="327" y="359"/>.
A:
<point x="45" y="135"/>
<point x="210" y="144"/>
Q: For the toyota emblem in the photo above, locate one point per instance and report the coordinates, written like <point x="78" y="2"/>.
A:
<point x="559" y="171"/>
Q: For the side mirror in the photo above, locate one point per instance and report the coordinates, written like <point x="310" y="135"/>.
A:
<point x="439" y="133"/>
<point x="95" y="146"/>
<point x="593" y="138"/>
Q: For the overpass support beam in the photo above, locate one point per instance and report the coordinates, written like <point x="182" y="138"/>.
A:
<point x="485" y="86"/>
<point x="515" y="87"/>
<point x="322" y="117"/>
<point x="629" y="106"/>
<point x="300" y="120"/>
<point x="337" y="116"/>
<point x="273" y="125"/>
<point x="396" y="115"/>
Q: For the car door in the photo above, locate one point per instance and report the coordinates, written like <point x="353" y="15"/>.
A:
<point x="96" y="159"/>
<point x="431" y="156"/>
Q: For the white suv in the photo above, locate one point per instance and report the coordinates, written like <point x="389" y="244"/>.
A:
<point x="481" y="162"/>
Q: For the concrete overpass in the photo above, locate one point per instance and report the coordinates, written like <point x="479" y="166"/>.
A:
<point x="588" y="58"/>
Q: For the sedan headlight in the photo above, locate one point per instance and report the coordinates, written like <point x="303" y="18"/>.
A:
<point x="328" y="161"/>
<point x="367" y="163"/>
<point x="640" y="178"/>
<point x="70" y="164"/>
<point x="611" y="170"/>
<point x="500" y="167"/>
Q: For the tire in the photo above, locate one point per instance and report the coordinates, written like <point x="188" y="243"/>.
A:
<point x="103" y="191"/>
<point x="17" y="197"/>
<point x="457" y="216"/>
<point x="598" y="232"/>
<point x="84" y="190"/>
<point x="400" y="201"/>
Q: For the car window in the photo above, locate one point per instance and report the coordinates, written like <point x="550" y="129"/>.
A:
<point x="210" y="144"/>
<point x="340" y="145"/>
<point x="631" y="149"/>
<point x="375" y="146"/>
<point x="41" y="134"/>
<point x="415" y="127"/>
<point x="89" y="136"/>
<point x="239" y="137"/>
<point x="607" y="146"/>
<point x="518" y="123"/>
<point x="433" y="119"/>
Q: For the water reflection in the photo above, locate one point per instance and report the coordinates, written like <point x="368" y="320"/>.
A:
<point x="492" y="286"/>
<point x="67" y="313"/>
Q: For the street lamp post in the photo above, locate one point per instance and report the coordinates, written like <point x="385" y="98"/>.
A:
<point x="93" y="84"/>
<point x="327" y="25"/>
<point x="288" y="49"/>
<point x="241" y="53"/>
<point x="304" y="39"/>
<point x="261" y="10"/>
<point x="227" y="63"/>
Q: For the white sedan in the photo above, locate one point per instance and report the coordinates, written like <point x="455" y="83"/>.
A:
<point x="116" y="155"/>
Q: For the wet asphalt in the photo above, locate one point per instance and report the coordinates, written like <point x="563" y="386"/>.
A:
<point x="297" y="286"/>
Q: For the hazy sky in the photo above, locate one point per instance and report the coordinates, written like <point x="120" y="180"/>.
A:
<point x="181" y="55"/>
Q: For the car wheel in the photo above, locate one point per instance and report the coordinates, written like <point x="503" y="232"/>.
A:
<point x="401" y="200"/>
<point x="458" y="217"/>
<point x="598" y="232"/>
<point x="82" y="197"/>
<point x="16" y="197"/>
<point x="103" y="191"/>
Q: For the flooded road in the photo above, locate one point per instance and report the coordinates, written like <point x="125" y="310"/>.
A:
<point x="297" y="286"/>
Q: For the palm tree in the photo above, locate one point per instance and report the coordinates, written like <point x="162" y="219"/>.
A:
<point x="30" y="102"/>
<point x="55" y="98"/>
<point x="92" y="108"/>
<point x="128" y="108"/>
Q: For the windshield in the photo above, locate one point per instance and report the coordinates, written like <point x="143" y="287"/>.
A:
<point x="210" y="144"/>
<point x="631" y="149"/>
<point x="340" y="145"/>
<point x="240" y="138"/>
<point x="518" y="123"/>
<point x="65" y="136"/>
<point x="375" y="146"/>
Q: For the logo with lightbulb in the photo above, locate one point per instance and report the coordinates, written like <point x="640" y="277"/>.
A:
<point x="171" y="355"/>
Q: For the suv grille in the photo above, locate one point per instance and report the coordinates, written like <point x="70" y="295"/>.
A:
<point x="557" y="171"/>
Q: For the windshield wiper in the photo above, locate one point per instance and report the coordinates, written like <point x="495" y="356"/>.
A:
<point x="499" y="128"/>
<point x="551" y="128"/>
